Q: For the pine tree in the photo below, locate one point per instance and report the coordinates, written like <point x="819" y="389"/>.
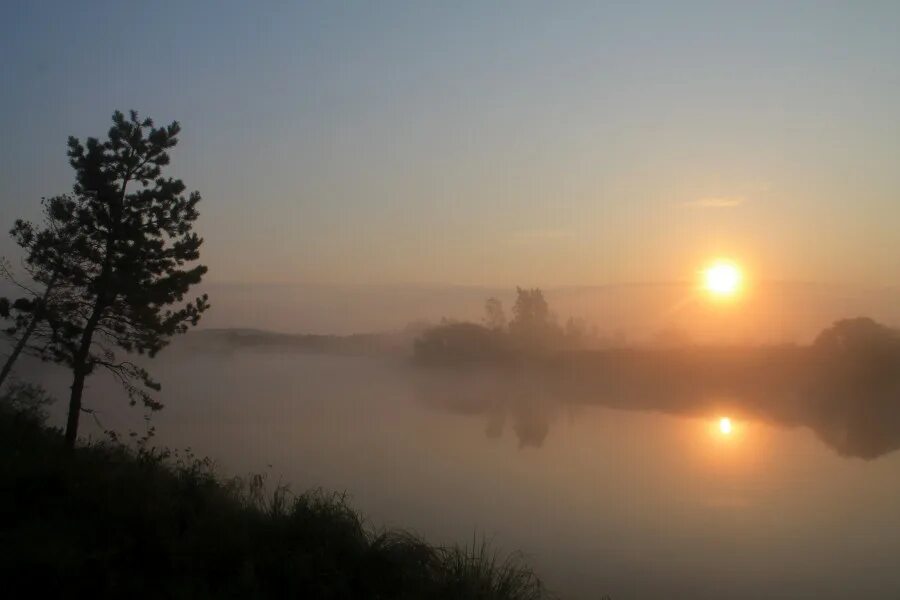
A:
<point x="126" y="250"/>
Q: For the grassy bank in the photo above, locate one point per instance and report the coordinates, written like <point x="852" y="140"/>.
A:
<point x="109" y="520"/>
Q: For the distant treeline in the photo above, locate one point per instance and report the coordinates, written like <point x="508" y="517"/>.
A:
<point x="533" y="330"/>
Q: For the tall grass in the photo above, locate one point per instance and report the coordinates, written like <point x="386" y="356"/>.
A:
<point x="477" y="571"/>
<point x="112" y="520"/>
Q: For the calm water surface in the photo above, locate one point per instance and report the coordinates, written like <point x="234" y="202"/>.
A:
<point x="636" y="504"/>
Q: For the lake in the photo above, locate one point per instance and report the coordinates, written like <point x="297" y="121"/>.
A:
<point x="600" y="500"/>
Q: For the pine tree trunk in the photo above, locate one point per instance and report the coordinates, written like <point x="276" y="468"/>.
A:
<point x="75" y="407"/>
<point x="81" y="368"/>
<point x="17" y="350"/>
<point x="20" y="345"/>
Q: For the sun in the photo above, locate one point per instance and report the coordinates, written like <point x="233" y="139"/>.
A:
<point x="722" y="279"/>
<point x="725" y="426"/>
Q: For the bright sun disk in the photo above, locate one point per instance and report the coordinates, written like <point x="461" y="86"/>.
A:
<point x="725" y="425"/>
<point x="722" y="278"/>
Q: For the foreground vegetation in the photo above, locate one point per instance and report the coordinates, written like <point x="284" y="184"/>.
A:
<point x="109" y="520"/>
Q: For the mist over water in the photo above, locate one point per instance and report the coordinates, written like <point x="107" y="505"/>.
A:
<point x="633" y="491"/>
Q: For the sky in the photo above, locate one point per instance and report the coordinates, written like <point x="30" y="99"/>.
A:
<point x="485" y="144"/>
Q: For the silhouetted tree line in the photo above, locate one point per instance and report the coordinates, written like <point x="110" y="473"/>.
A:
<point x="533" y="330"/>
<point x="108" y="264"/>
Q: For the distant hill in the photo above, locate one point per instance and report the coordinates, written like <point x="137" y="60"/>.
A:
<point x="359" y="344"/>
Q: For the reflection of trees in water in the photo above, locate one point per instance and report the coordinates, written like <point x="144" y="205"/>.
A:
<point x="845" y="387"/>
<point x="855" y="400"/>
<point x="508" y="399"/>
